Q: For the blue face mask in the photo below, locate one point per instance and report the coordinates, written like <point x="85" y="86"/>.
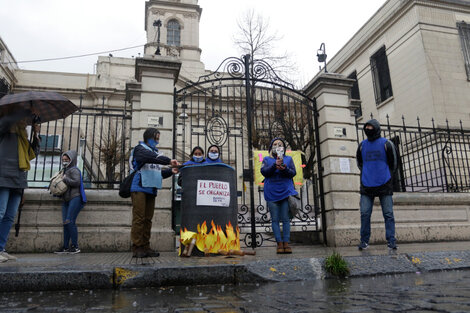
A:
<point x="198" y="158"/>
<point x="213" y="155"/>
<point x="152" y="143"/>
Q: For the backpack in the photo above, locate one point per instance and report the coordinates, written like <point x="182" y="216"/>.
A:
<point x="57" y="186"/>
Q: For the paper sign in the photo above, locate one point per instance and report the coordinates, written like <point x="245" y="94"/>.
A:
<point x="344" y="165"/>
<point x="213" y="193"/>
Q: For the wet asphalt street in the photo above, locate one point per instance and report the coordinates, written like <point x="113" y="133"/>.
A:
<point x="447" y="291"/>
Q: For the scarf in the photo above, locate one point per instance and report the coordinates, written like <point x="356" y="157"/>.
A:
<point x="25" y="153"/>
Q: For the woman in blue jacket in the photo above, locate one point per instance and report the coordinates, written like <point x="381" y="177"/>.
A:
<point x="278" y="170"/>
<point x="213" y="154"/>
<point x="197" y="156"/>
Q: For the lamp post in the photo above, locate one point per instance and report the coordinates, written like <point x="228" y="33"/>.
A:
<point x="158" y="24"/>
<point x="321" y="55"/>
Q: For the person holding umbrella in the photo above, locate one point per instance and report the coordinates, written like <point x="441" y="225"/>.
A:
<point x="16" y="153"/>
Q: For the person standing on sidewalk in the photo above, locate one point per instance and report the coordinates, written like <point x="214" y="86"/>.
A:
<point x="377" y="159"/>
<point x="146" y="160"/>
<point x="279" y="170"/>
<point x="74" y="199"/>
<point x="16" y="152"/>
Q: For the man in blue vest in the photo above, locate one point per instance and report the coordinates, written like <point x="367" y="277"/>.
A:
<point x="377" y="160"/>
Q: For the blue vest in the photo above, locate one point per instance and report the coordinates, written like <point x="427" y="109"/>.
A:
<point x="375" y="170"/>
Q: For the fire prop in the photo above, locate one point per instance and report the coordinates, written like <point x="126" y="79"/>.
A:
<point x="215" y="241"/>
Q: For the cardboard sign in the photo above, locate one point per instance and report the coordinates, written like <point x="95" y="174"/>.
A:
<point x="213" y="193"/>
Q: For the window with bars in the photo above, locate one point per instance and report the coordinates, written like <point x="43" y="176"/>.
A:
<point x="381" y="76"/>
<point x="173" y="33"/>
<point x="354" y="94"/>
<point x="4" y="87"/>
<point x="464" y="32"/>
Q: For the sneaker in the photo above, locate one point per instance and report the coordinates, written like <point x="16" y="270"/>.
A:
<point x="3" y="259"/>
<point x="363" y="246"/>
<point x="8" y="256"/>
<point x="392" y="245"/>
<point x="74" y="250"/>
<point x="62" y="250"/>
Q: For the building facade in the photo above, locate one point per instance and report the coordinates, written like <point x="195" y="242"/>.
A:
<point x="411" y="58"/>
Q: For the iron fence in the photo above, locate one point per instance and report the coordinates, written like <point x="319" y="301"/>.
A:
<point x="430" y="159"/>
<point x="100" y="135"/>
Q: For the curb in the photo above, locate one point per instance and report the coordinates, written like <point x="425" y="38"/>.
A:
<point x="270" y="270"/>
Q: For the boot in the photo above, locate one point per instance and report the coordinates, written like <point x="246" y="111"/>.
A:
<point x="287" y="249"/>
<point x="151" y="253"/>
<point x="280" y="248"/>
<point x="139" y="252"/>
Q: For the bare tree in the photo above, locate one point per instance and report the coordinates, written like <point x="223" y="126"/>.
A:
<point x="255" y="37"/>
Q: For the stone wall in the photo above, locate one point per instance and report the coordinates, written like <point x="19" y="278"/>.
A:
<point x="104" y="224"/>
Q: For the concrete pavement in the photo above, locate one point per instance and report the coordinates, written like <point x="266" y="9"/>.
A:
<point x="119" y="270"/>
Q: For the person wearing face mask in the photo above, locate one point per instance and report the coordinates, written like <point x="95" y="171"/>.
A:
<point x="213" y="154"/>
<point x="74" y="199"/>
<point x="16" y="153"/>
<point x="146" y="160"/>
<point x="197" y="156"/>
<point x="377" y="159"/>
<point x="279" y="170"/>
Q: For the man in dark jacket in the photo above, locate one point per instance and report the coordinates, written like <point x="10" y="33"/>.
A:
<point x="146" y="160"/>
<point x="377" y="160"/>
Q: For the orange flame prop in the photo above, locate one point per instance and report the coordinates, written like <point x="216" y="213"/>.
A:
<point x="214" y="240"/>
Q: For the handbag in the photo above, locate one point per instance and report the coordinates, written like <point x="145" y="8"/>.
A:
<point x="57" y="186"/>
<point x="125" y="185"/>
<point x="294" y="205"/>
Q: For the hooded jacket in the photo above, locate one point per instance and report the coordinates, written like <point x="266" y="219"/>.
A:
<point x="278" y="185"/>
<point x="377" y="159"/>
<point x="73" y="178"/>
<point x="11" y="176"/>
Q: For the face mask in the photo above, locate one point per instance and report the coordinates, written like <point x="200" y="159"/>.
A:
<point x="369" y="132"/>
<point x="152" y="143"/>
<point x="213" y="155"/>
<point x="280" y="151"/>
<point x="65" y="164"/>
<point x="198" y="158"/>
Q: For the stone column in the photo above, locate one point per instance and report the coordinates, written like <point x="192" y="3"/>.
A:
<point x="338" y="157"/>
<point x="152" y="106"/>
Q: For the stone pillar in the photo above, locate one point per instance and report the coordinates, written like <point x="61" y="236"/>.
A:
<point x="152" y="106"/>
<point x="338" y="157"/>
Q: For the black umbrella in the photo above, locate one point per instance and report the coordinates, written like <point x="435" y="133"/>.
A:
<point x="47" y="105"/>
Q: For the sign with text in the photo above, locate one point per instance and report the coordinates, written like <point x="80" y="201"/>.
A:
<point x="213" y="193"/>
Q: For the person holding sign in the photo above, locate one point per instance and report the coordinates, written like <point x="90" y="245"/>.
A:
<point x="213" y="154"/>
<point x="278" y="170"/>
<point x="146" y="160"/>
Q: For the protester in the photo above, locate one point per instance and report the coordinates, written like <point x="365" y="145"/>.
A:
<point x="16" y="152"/>
<point x="146" y="160"/>
<point x="213" y="154"/>
<point x="377" y="160"/>
<point x="278" y="170"/>
<point x="74" y="199"/>
<point x="197" y="156"/>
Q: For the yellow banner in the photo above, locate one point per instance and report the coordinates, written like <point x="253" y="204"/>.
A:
<point x="296" y="157"/>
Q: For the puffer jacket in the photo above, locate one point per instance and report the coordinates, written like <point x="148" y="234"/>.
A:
<point x="71" y="177"/>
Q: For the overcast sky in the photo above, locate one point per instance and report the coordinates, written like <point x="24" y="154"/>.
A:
<point x="40" y="29"/>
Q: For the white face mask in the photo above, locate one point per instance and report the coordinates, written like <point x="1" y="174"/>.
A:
<point x="65" y="164"/>
<point x="280" y="151"/>
<point x="213" y="155"/>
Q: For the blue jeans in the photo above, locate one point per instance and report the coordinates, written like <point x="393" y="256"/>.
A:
<point x="70" y="210"/>
<point x="9" y="203"/>
<point x="280" y="213"/>
<point x="366" y="205"/>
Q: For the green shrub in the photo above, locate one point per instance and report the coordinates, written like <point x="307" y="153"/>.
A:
<point x="336" y="265"/>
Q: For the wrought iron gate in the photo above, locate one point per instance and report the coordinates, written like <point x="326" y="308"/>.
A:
<point x="240" y="107"/>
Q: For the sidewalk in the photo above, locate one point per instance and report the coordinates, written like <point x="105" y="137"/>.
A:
<point x="119" y="270"/>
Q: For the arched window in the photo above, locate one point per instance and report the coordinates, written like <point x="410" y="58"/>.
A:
<point x="173" y="33"/>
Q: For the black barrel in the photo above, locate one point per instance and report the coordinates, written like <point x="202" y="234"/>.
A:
<point x="209" y="194"/>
